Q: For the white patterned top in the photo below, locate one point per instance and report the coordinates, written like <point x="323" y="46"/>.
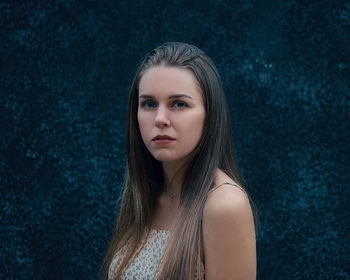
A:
<point x="145" y="264"/>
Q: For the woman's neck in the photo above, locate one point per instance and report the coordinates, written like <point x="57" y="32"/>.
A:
<point x="173" y="178"/>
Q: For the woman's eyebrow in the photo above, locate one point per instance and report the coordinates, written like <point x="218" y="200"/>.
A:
<point x="180" y="96"/>
<point x="146" y="96"/>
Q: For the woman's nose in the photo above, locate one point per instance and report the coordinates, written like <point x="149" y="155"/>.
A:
<point x="162" y="119"/>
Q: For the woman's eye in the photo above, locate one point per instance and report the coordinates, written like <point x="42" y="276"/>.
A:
<point x="179" y="104"/>
<point x="148" y="104"/>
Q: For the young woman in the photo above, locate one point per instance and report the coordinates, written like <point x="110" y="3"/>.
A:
<point x="184" y="213"/>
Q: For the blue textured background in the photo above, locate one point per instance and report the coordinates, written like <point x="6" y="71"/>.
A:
<point x="66" y="67"/>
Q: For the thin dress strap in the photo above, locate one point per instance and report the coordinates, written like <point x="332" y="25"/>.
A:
<point x="224" y="183"/>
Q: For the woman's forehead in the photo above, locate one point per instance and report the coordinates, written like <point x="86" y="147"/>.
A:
<point x="169" y="80"/>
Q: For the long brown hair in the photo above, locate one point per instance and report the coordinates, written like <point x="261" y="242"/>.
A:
<point x="144" y="176"/>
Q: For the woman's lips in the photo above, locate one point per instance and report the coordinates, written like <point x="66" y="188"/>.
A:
<point x="162" y="142"/>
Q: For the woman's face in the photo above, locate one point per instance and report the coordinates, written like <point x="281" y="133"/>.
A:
<point x="170" y="113"/>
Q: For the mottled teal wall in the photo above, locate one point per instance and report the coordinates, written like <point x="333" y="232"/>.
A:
<point x="66" y="67"/>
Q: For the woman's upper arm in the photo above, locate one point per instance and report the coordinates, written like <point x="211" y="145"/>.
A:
<point x="229" y="235"/>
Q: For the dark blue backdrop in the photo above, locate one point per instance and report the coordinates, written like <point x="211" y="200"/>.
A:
<point x="66" y="67"/>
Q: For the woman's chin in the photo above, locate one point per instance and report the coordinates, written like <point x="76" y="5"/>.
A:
<point x="165" y="159"/>
<point x="169" y="160"/>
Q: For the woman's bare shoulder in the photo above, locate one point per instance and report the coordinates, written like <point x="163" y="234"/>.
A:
<point x="230" y="200"/>
<point x="226" y="203"/>
<point x="228" y="232"/>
